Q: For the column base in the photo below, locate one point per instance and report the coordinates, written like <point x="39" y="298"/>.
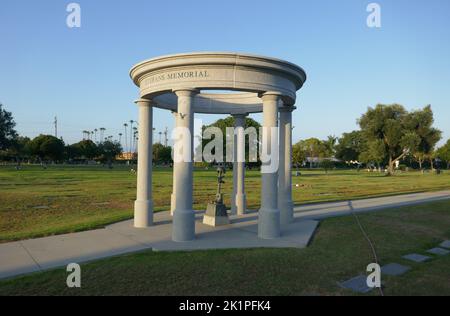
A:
<point x="233" y="208"/>
<point x="269" y="223"/>
<point x="241" y="204"/>
<point x="183" y="227"/>
<point x="143" y="213"/>
<point x="173" y="199"/>
<point x="286" y="212"/>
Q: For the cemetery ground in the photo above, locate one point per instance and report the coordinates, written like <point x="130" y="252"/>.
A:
<point x="338" y="252"/>
<point x="36" y="202"/>
<point x="61" y="199"/>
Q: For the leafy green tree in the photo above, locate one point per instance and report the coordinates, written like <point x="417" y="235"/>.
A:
<point x="330" y="145"/>
<point x="47" y="147"/>
<point x="312" y="148"/>
<point x="7" y="131"/>
<point x="222" y="124"/>
<point x="350" y="146"/>
<point x="374" y="152"/>
<point x="298" y="154"/>
<point x="17" y="150"/>
<point x="162" y="154"/>
<point x="420" y="157"/>
<point x="443" y="153"/>
<point x="108" y="150"/>
<point x="84" y="149"/>
<point x="422" y="123"/>
<point x="20" y="148"/>
<point x="391" y="130"/>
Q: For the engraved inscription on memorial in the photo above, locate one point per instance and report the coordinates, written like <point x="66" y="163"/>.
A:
<point x="178" y="75"/>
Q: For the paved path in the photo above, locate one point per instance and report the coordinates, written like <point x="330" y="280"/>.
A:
<point x="49" y="252"/>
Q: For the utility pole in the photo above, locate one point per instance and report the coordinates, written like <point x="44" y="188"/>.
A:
<point x="56" y="127"/>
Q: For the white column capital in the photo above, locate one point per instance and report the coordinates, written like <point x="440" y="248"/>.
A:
<point x="271" y="96"/>
<point x="143" y="102"/>
<point x="187" y="92"/>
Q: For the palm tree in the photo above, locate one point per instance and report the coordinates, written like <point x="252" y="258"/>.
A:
<point x="125" y="125"/>
<point x="131" y="134"/>
<point x="95" y="134"/>
<point x="135" y="131"/>
<point x="120" y="138"/>
<point x="136" y="141"/>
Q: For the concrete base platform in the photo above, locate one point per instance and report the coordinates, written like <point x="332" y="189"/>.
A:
<point x="240" y="233"/>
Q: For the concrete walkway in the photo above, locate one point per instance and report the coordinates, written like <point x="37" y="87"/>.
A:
<point x="49" y="252"/>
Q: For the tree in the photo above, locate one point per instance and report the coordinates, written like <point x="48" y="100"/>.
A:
<point x="108" y="150"/>
<point x="222" y="124"/>
<point x="84" y="149"/>
<point x="350" y="146"/>
<point x="311" y="148"/>
<point x="422" y="123"/>
<point x="374" y="152"/>
<point x="17" y="150"/>
<point x="330" y="145"/>
<point x="47" y="147"/>
<point x="298" y="154"/>
<point x="392" y="131"/>
<point x="7" y="131"/>
<point x="443" y="153"/>
<point x="162" y="154"/>
<point x="420" y="157"/>
<point x="20" y="148"/>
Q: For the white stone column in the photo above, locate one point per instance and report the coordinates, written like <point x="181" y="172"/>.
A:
<point x="233" y="208"/>
<point x="269" y="214"/>
<point x="143" y="206"/>
<point x="174" y="178"/>
<point x="184" y="217"/>
<point x="240" y="199"/>
<point x="285" y="204"/>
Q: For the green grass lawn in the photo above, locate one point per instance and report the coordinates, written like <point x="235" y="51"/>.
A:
<point x="339" y="251"/>
<point x="36" y="202"/>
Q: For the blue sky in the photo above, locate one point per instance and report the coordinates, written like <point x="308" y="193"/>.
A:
<point x="81" y="75"/>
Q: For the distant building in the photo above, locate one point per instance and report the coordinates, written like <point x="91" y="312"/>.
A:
<point x="127" y="156"/>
